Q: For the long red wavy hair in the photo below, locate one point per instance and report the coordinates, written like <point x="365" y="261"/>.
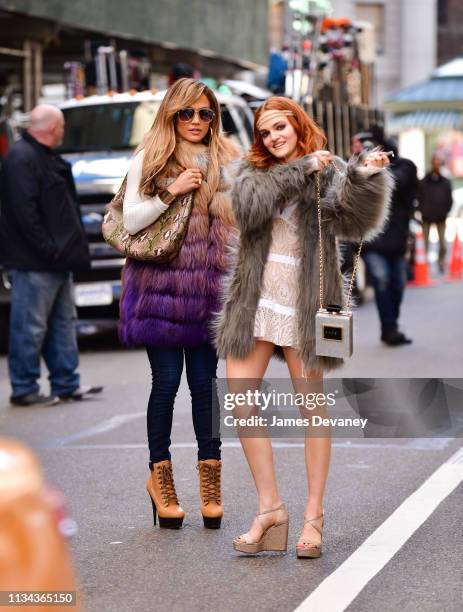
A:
<point x="310" y="137"/>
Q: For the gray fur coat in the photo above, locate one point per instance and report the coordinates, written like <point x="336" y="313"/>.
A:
<point x="354" y="205"/>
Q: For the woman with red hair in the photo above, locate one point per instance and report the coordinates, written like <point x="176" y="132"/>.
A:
<point x="272" y="295"/>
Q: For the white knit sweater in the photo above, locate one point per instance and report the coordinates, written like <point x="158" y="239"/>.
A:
<point x="139" y="211"/>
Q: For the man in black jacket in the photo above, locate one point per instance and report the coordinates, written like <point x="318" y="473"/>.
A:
<point x="385" y="256"/>
<point x="435" y="202"/>
<point x="42" y="241"/>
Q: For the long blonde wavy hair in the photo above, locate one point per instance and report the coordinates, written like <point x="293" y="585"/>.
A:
<point x="160" y="142"/>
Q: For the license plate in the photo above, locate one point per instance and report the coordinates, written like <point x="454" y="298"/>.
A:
<point x="93" y="294"/>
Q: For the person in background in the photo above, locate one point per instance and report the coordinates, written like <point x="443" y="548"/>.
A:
<point x="182" y="70"/>
<point x="360" y="142"/>
<point x="278" y="66"/>
<point x="356" y="144"/>
<point x="385" y="256"/>
<point x="435" y="202"/>
<point x="42" y="241"/>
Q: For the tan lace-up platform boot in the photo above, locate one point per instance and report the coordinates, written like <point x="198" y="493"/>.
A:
<point x="210" y="491"/>
<point x="161" y="489"/>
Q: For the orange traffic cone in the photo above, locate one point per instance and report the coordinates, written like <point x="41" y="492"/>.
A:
<point x="421" y="276"/>
<point x="456" y="261"/>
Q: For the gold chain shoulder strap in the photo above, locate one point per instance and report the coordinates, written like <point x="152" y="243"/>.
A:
<point x="320" y="242"/>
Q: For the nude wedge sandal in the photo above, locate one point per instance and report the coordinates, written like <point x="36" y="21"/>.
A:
<point x="274" y="538"/>
<point x="314" y="551"/>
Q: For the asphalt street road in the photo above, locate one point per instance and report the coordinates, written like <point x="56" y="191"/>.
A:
<point x="95" y="451"/>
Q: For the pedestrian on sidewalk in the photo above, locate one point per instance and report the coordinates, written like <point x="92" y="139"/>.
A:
<point x="435" y="202"/>
<point x="42" y="241"/>
<point x="385" y="256"/>
<point x="167" y="307"/>
<point x="272" y="296"/>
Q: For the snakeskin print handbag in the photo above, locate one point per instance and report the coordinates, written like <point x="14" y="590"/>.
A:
<point x="160" y="242"/>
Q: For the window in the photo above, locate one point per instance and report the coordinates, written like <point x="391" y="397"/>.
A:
<point x="373" y="12"/>
<point x="97" y="127"/>
<point x="442" y="10"/>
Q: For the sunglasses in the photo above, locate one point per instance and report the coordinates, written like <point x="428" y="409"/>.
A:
<point x="186" y="114"/>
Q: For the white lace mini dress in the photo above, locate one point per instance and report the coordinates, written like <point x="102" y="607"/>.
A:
<point x="276" y="319"/>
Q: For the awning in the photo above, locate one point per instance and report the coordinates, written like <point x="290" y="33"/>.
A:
<point x="429" y="121"/>
<point x="442" y="89"/>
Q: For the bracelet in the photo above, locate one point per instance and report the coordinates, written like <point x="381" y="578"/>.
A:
<point x="166" y="197"/>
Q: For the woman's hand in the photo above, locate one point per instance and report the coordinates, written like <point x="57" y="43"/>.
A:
<point x="377" y="159"/>
<point x="323" y="158"/>
<point x="186" y="181"/>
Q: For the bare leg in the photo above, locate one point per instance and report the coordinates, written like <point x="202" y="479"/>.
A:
<point x="258" y="450"/>
<point x="317" y="449"/>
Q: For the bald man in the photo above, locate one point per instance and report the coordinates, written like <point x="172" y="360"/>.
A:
<point x="42" y="241"/>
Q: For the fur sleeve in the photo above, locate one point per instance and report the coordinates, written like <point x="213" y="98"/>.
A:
<point x="355" y="201"/>
<point x="258" y="193"/>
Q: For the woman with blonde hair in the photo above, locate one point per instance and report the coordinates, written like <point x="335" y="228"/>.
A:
<point x="167" y="307"/>
<point x="272" y="295"/>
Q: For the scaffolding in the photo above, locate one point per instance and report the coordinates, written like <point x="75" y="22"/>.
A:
<point x="331" y="71"/>
<point x="32" y="70"/>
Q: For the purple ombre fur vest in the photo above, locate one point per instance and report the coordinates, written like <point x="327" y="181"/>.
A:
<point x="171" y="305"/>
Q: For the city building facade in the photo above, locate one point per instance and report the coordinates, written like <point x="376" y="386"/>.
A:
<point x="449" y="30"/>
<point x="405" y="37"/>
<point x="215" y="38"/>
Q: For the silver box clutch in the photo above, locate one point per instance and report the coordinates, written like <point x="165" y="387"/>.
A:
<point x="333" y="324"/>
<point x="333" y="333"/>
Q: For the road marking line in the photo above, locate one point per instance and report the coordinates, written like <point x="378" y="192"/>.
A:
<point x="339" y="589"/>
<point x="418" y="444"/>
<point x="100" y="428"/>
